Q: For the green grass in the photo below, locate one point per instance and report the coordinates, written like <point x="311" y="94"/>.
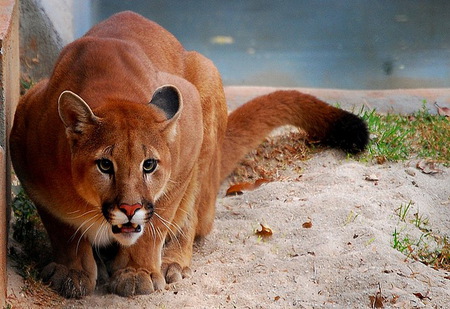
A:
<point x="430" y="248"/>
<point x="28" y="231"/>
<point x="397" y="137"/>
<point x="427" y="246"/>
<point x="403" y="211"/>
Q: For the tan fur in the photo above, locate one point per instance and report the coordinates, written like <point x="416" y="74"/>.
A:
<point x="95" y="106"/>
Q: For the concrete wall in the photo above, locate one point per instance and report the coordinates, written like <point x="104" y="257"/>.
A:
<point x="9" y="96"/>
<point x="45" y="27"/>
<point x="39" y="41"/>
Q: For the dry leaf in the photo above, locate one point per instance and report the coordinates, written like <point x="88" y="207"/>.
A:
<point x="307" y="225"/>
<point x="443" y="111"/>
<point x="264" y="232"/>
<point x="276" y="298"/>
<point x="394" y="299"/>
<point x="380" y="159"/>
<point x="420" y="296"/>
<point x="377" y="301"/>
<point x="428" y="167"/>
<point x="238" y="189"/>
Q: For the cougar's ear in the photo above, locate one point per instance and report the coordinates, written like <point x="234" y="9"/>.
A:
<point x="75" y="113"/>
<point x="168" y="99"/>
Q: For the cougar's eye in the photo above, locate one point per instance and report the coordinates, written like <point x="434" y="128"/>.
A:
<point x="105" y="166"/>
<point x="149" y="165"/>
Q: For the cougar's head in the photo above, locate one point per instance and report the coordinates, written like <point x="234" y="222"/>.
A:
<point x="121" y="160"/>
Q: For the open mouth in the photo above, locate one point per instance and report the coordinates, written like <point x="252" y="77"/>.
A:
<point x="126" y="228"/>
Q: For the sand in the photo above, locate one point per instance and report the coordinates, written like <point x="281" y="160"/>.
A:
<point x="341" y="258"/>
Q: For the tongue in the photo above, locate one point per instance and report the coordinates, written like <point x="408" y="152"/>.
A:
<point x="126" y="228"/>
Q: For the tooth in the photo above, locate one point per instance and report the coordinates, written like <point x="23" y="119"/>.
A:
<point x="134" y="225"/>
<point x="119" y="226"/>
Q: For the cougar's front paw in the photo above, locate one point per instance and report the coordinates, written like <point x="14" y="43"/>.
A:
<point x="130" y="281"/>
<point x="70" y="283"/>
<point x="174" y="272"/>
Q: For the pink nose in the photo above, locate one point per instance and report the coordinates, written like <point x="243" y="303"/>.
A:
<point x="129" y="210"/>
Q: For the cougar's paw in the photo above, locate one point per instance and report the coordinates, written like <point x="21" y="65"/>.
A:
<point x="174" y="272"/>
<point x="130" y="281"/>
<point x="70" y="283"/>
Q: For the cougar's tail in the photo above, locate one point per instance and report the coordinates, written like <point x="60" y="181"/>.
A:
<point x="250" y="123"/>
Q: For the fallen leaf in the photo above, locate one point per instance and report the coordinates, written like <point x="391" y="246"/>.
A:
<point x="420" y="296"/>
<point x="394" y="299"/>
<point x="443" y="111"/>
<point x="377" y="301"/>
<point x="428" y="166"/>
<point x="380" y="159"/>
<point x="264" y="232"/>
<point x="238" y="188"/>
<point x="276" y="298"/>
<point x="307" y="225"/>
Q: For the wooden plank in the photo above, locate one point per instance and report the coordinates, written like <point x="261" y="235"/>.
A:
<point x="9" y="97"/>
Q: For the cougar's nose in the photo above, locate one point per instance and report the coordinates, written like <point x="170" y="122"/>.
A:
<point x="129" y="210"/>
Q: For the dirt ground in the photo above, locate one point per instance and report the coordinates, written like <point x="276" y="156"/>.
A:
<point x="331" y="245"/>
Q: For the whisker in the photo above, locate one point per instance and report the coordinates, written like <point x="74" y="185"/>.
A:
<point x="172" y="234"/>
<point x="81" y="226"/>
<point x="98" y="236"/>
<point x="159" y="232"/>
<point x="168" y="223"/>
<point x="103" y="233"/>
<point x="85" y="231"/>
<point x="187" y="213"/>
<point x="152" y="230"/>
<point x="85" y="213"/>
<point x="174" y="181"/>
<point x="73" y="212"/>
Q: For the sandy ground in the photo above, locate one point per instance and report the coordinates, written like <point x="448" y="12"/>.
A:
<point x="340" y="260"/>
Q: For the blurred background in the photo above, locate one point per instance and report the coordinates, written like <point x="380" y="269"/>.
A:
<point x="365" y="44"/>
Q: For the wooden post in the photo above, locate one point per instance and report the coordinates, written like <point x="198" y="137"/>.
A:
<point x="9" y="96"/>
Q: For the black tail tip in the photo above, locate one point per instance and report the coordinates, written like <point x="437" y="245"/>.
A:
<point x="348" y="133"/>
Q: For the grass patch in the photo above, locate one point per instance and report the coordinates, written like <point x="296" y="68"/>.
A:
<point x="397" y="137"/>
<point x="28" y="231"/>
<point x="421" y="243"/>
<point x="430" y="248"/>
